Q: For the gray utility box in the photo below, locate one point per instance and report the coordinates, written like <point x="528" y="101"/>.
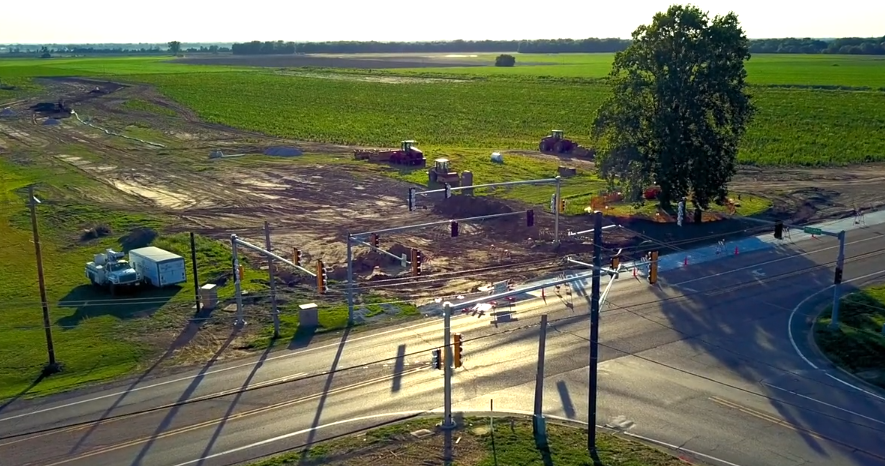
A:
<point x="157" y="266"/>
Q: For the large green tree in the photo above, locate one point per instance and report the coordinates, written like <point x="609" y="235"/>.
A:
<point x="679" y="107"/>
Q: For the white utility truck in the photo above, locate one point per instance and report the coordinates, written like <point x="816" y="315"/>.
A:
<point x="110" y="269"/>
<point x="157" y="266"/>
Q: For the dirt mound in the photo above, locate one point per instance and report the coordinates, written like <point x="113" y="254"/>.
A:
<point x="371" y="262"/>
<point x="470" y="206"/>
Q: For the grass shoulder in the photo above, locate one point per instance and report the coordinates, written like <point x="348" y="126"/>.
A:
<point x="859" y="343"/>
<point x="481" y="442"/>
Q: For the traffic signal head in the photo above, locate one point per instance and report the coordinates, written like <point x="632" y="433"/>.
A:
<point x="296" y="256"/>
<point x="838" y="278"/>
<point x="454" y="228"/>
<point x="448" y="191"/>
<point x="436" y="359"/>
<point x="458" y="341"/>
<point x="529" y="218"/>
<point x="779" y="230"/>
<point x="416" y="262"/>
<point x="321" y="277"/>
<point x="561" y="205"/>
<point x="615" y="263"/>
<point x="374" y="240"/>
<point x="653" y="267"/>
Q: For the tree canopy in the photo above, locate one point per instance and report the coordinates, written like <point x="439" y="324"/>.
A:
<point x="678" y="109"/>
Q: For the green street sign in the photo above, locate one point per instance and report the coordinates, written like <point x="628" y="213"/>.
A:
<point x="813" y="231"/>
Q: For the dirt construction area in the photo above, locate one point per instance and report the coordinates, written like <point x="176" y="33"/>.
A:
<point x="156" y="156"/>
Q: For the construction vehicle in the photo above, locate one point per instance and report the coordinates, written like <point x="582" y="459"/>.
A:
<point x="442" y="173"/>
<point x="110" y="269"/>
<point x="407" y="154"/>
<point x="556" y="143"/>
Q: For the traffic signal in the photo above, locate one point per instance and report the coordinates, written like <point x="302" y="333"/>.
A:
<point x="436" y="359"/>
<point x="321" y="277"/>
<point x="838" y="278"/>
<point x="561" y="205"/>
<point x="653" y="267"/>
<point x="454" y="228"/>
<point x="416" y="262"/>
<point x="296" y="256"/>
<point x="779" y="229"/>
<point x="458" y="341"/>
<point x="240" y="272"/>
<point x="529" y="218"/>
<point x="412" y="199"/>
<point x="374" y="240"/>
<point x="615" y="264"/>
<point x="448" y="189"/>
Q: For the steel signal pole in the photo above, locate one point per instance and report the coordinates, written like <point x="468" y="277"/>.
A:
<point x="594" y="334"/>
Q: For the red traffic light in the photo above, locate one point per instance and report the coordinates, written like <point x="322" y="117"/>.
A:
<point x="530" y="218"/>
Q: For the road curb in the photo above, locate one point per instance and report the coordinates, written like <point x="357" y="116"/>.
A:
<point x="812" y="340"/>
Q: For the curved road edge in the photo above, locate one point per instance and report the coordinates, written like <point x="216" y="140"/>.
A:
<point x="801" y="323"/>
<point x="397" y="417"/>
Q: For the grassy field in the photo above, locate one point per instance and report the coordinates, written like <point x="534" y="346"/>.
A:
<point x="506" y="441"/>
<point x="99" y="337"/>
<point x="801" y="126"/>
<point x="858" y="345"/>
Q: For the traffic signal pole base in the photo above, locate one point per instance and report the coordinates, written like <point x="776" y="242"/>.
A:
<point x="448" y="424"/>
<point x="52" y="368"/>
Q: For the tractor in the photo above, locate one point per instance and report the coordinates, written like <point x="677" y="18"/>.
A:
<point x="442" y="173"/>
<point x="556" y="143"/>
<point x="407" y="154"/>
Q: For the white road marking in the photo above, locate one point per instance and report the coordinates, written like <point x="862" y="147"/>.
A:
<point x="433" y="411"/>
<point x="796" y="347"/>
<point x="781" y="259"/>
<point x="824" y="403"/>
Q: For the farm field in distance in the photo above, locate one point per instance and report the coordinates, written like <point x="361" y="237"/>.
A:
<point x="815" y="112"/>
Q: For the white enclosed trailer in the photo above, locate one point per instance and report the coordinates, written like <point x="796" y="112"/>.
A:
<point x="157" y="266"/>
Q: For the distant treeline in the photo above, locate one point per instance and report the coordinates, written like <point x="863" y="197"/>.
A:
<point x="850" y="45"/>
<point x="847" y="45"/>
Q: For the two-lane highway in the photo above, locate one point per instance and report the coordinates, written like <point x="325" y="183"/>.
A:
<point x="704" y="360"/>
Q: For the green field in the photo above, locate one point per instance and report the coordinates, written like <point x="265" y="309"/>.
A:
<point x="495" y="109"/>
<point x="798" y="126"/>
<point x="858" y="345"/>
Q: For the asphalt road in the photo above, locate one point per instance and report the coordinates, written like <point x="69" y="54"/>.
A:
<point x="704" y="361"/>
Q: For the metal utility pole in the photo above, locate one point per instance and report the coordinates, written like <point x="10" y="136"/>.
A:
<point x="448" y="422"/>
<point x="52" y="366"/>
<point x="273" y="289"/>
<point x="837" y="286"/>
<point x="594" y="335"/>
<point x="349" y="280"/>
<point x="539" y="377"/>
<point x="194" y="268"/>
<point x="539" y="428"/>
<point x="237" y="286"/>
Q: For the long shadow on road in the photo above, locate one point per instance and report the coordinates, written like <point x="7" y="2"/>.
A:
<point x="316" y="419"/>
<point x="730" y="317"/>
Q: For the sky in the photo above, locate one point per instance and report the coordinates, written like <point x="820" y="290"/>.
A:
<point x="160" y="21"/>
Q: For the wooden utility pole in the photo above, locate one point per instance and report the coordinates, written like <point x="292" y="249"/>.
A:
<point x="52" y="366"/>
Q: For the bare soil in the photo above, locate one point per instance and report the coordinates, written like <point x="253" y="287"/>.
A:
<point x="312" y="204"/>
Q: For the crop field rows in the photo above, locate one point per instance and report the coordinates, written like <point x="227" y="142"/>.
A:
<point x="195" y="106"/>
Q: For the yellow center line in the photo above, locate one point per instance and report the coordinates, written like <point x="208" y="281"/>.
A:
<point x="788" y="425"/>
<point x="233" y="417"/>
